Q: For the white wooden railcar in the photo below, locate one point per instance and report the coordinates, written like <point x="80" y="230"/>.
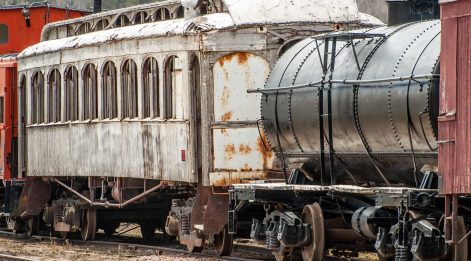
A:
<point x="152" y="100"/>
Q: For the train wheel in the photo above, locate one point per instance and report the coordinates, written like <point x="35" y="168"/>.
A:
<point x="312" y="214"/>
<point x="460" y="251"/>
<point x="32" y="226"/>
<point x="223" y="242"/>
<point x="147" y="230"/>
<point x="88" y="224"/>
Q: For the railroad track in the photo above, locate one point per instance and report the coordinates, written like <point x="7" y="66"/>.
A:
<point x="248" y="253"/>
<point x="14" y="258"/>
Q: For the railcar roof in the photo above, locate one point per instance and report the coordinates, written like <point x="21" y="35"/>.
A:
<point x="283" y="11"/>
<point x="14" y="7"/>
<point x="8" y="57"/>
<point x="163" y="28"/>
<point x="242" y="13"/>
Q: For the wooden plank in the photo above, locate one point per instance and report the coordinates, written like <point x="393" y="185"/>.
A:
<point x="463" y="135"/>
<point x="455" y="9"/>
<point x="446" y="159"/>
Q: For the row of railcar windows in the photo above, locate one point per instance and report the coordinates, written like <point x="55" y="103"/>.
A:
<point x="121" y="20"/>
<point x="53" y="101"/>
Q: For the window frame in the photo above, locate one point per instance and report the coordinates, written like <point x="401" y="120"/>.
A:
<point x="54" y="96"/>
<point x="89" y="99"/>
<point x="151" y="92"/>
<point x="170" y="87"/>
<point x="71" y="91"/>
<point x="37" y="99"/>
<point x="129" y="89"/>
<point x="4" y="30"/>
<point x="109" y="91"/>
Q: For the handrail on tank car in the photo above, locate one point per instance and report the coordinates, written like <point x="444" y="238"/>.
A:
<point x="108" y="204"/>
<point x="319" y="83"/>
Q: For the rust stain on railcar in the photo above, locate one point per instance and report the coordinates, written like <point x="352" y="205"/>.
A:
<point x="267" y="155"/>
<point x="242" y="58"/>
<point x="229" y="151"/>
<point x="245" y="149"/>
<point x="227" y="116"/>
<point x="226" y="94"/>
<point x="238" y="178"/>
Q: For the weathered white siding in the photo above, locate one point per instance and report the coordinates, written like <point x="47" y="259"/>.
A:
<point x="113" y="149"/>
<point x="138" y="148"/>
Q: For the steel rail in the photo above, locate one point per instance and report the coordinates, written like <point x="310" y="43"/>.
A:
<point x="118" y="244"/>
<point x="319" y="83"/>
<point x="15" y="258"/>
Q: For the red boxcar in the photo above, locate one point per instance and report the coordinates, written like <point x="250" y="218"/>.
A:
<point x="8" y="117"/>
<point x="17" y="33"/>
<point x="454" y="122"/>
<point x="455" y="97"/>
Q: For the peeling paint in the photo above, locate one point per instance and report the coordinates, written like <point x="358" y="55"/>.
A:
<point x="245" y="149"/>
<point x="227" y="178"/>
<point x="229" y="151"/>
<point x="227" y="116"/>
<point x="267" y="155"/>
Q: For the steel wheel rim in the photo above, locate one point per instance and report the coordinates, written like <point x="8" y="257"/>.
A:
<point x="460" y="251"/>
<point x="88" y="224"/>
<point x="312" y="214"/>
<point x="223" y="243"/>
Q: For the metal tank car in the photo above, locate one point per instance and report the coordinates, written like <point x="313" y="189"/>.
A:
<point x="353" y="117"/>
<point x="142" y="114"/>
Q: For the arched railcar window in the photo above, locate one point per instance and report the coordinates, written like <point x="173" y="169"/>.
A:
<point x="129" y="89"/>
<point x="173" y="85"/>
<point x="140" y="18"/>
<point x="84" y="28"/>
<point x="71" y="94"/>
<point x="180" y="12"/>
<point x="54" y="96"/>
<point x="37" y="98"/>
<point x="122" y="20"/>
<point x="101" y="25"/>
<point x="150" y="88"/>
<point x="161" y="14"/>
<point x="22" y="89"/>
<point x="90" y="92"/>
<point x="109" y="91"/>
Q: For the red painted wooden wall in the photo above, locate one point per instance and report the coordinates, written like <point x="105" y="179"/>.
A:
<point x="455" y="98"/>
<point x="19" y="35"/>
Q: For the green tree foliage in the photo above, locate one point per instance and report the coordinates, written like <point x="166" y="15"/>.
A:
<point x="81" y="4"/>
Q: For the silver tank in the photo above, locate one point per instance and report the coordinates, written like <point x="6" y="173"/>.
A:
<point x="383" y="131"/>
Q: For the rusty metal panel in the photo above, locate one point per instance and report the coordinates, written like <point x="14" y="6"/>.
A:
<point x="234" y="74"/>
<point x="454" y="120"/>
<point x="112" y="149"/>
<point x="238" y="149"/>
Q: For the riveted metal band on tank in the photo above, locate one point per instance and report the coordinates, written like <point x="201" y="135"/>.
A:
<point x="398" y="63"/>
<point x="291" y="96"/>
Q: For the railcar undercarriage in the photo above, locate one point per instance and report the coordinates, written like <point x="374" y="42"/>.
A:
<point x="399" y="223"/>
<point x="85" y="205"/>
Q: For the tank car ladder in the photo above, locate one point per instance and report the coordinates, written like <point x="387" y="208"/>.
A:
<point x="329" y="69"/>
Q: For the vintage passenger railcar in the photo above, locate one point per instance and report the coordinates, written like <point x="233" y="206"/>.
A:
<point x="144" y="109"/>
